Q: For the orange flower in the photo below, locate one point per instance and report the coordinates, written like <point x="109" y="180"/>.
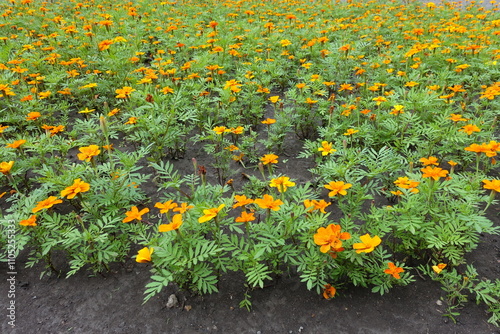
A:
<point x="268" y="121"/>
<point x="329" y="238"/>
<point x="33" y="116"/>
<point x="144" y="255"/>
<point x="5" y="167"/>
<point x="405" y="183"/>
<point x="16" y="144"/>
<point x="469" y="129"/>
<point x="241" y="200"/>
<point x="88" y="152"/>
<point x="210" y="214"/>
<point x="184" y="207"/>
<point x="269" y="159"/>
<point x="337" y="187"/>
<point x="493" y="185"/>
<point x="31" y="221"/>
<point x="46" y="204"/>
<point x="434" y="172"/>
<point x="393" y="270"/>
<point x="329" y="291"/>
<point x="165" y="207"/>
<point x="131" y="120"/>
<point x="174" y="225"/>
<point x="326" y="148"/>
<point x="429" y="161"/>
<point x="268" y="202"/>
<point x="220" y="130"/>
<point x="367" y="244"/>
<point x="282" y="183"/>
<point x="133" y="214"/>
<point x="245" y="217"/>
<point x="77" y="187"/>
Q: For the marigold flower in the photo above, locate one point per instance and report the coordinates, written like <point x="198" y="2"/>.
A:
<point x="469" y="129"/>
<point x="350" y="132"/>
<point x="210" y="213"/>
<point x="330" y="238"/>
<point x="131" y="120"/>
<point x="268" y="202"/>
<point x="245" y="217"/>
<point x="429" y="161"/>
<point x="493" y="185"/>
<point x="437" y="269"/>
<point x="144" y="255"/>
<point x="165" y="207"/>
<point x="134" y="213"/>
<point x="268" y="121"/>
<point x="326" y="148"/>
<point x="269" y="159"/>
<point x="46" y="204"/>
<point x="220" y="130"/>
<point x="87" y="152"/>
<point x="406" y="183"/>
<point x="33" y="115"/>
<point x="5" y="167"/>
<point x="77" y="187"/>
<point x="274" y="99"/>
<point x="241" y="200"/>
<point x="16" y="144"/>
<point x="394" y="270"/>
<point x="434" y="172"/>
<point x="329" y="291"/>
<point x="124" y="92"/>
<point x="282" y="183"/>
<point x="31" y="221"/>
<point x="367" y="244"/>
<point x="184" y="207"/>
<point x="174" y="225"/>
<point x="337" y="187"/>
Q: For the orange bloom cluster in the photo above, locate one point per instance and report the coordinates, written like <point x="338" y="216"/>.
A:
<point x="489" y="149"/>
<point x="330" y="239"/>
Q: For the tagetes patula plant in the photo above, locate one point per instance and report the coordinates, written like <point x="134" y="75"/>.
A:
<point x="134" y="214"/>
<point x="88" y="152"/>
<point x="394" y="270"/>
<point x="326" y="148"/>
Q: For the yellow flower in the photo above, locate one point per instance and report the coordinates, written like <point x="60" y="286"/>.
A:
<point x="88" y="152"/>
<point x="326" y="148"/>
<point x="86" y="111"/>
<point x="144" y="255"/>
<point x="274" y="99"/>
<point x="350" y="132"/>
<point x="184" y="207"/>
<point x="437" y="269"/>
<point x="210" y="214"/>
<point x="337" y="187"/>
<point x="77" y="187"/>
<point x="220" y="130"/>
<point x="134" y="213"/>
<point x="429" y="161"/>
<point x="5" y="167"/>
<point x="268" y="121"/>
<point x="282" y="183"/>
<point x="174" y="225"/>
<point x="367" y="244"/>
